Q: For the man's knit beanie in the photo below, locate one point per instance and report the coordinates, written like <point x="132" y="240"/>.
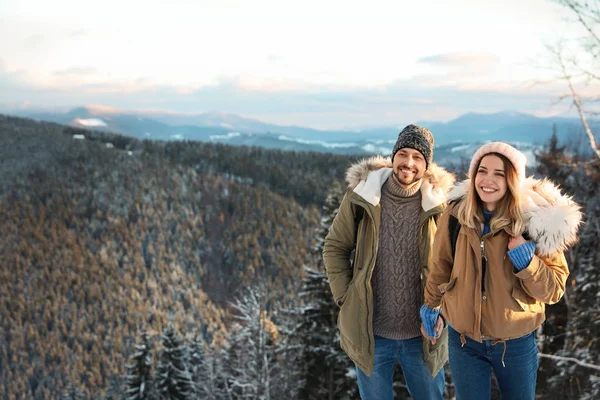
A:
<point x="418" y="138"/>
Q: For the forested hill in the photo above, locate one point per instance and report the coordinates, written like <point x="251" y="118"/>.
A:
<point x="105" y="240"/>
<point x="104" y="235"/>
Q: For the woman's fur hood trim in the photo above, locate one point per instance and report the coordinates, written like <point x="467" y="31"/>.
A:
<point x="552" y="219"/>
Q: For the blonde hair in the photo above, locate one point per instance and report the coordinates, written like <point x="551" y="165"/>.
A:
<point x="508" y="214"/>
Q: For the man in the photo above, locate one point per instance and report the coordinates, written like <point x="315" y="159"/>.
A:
<point x="388" y="217"/>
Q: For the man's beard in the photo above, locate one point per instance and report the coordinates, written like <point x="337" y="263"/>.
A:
<point x="404" y="181"/>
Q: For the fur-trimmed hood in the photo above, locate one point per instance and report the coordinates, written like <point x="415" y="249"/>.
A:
<point x="552" y="219"/>
<point x="367" y="176"/>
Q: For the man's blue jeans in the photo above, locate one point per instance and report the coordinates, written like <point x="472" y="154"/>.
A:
<point x="409" y="353"/>
<point x="473" y="363"/>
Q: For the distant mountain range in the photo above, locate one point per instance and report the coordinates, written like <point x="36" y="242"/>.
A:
<point x="234" y="129"/>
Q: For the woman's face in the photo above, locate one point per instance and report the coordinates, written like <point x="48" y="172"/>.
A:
<point x="490" y="181"/>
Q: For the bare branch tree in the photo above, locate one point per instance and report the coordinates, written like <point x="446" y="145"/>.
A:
<point x="570" y="359"/>
<point x="579" y="106"/>
<point x="584" y="13"/>
<point x="571" y="70"/>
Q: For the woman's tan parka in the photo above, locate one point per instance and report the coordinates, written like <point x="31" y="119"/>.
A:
<point x="503" y="303"/>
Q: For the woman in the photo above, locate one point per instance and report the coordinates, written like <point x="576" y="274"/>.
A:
<point x="488" y="281"/>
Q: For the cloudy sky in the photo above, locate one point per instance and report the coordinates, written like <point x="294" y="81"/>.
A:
<point x="318" y="63"/>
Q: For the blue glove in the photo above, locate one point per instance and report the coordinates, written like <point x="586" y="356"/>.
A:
<point x="522" y="255"/>
<point x="429" y="317"/>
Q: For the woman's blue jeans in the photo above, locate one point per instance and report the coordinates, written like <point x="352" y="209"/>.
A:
<point x="409" y="353"/>
<point x="473" y="363"/>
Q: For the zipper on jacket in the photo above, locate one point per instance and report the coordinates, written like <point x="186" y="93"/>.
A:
<point x="370" y="290"/>
<point x="483" y="266"/>
<point x="360" y="228"/>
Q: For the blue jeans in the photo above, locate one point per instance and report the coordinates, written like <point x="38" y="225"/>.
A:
<point x="409" y="353"/>
<point x="473" y="363"/>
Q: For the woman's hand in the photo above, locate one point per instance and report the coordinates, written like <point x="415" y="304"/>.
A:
<point x="433" y="324"/>
<point x="516" y="241"/>
<point x="438" y="328"/>
<point x="521" y="252"/>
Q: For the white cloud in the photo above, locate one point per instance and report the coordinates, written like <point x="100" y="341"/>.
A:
<point x="313" y="42"/>
<point x="33" y="41"/>
<point x="396" y="104"/>
<point x="462" y="59"/>
<point x="77" y="33"/>
<point x="322" y="64"/>
<point x="77" y="71"/>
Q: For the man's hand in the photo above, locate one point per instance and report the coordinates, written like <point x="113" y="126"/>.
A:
<point x="439" y="326"/>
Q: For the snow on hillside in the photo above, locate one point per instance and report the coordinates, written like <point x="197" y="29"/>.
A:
<point x="228" y="136"/>
<point x="89" y="122"/>
<point x="328" y="145"/>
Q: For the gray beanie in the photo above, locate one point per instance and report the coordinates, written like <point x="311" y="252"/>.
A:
<point x="418" y="138"/>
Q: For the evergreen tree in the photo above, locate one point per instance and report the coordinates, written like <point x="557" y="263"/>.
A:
<point x="139" y="372"/>
<point x="251" y="358"/>
<point x="289" y="351"/>
<point x="206" y="370"/>
<point x="115" y="389"/>
<point x="553" y="160"/>
<point x="174" y="380"/>
<point x="583" y="323"/>
<point x="196" y="358"/>
<point x="327" y="371"/>
<point x="579" y="338"/>
<point x="328" y="213"/>
<point x="72" y="392"/>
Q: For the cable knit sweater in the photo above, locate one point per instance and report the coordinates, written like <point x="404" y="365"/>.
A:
<point x="396" y="278"/>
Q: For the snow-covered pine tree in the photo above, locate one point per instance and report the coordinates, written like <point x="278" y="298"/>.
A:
<point x="328" y="213"/>
<point x="289" y="351"/>
<point x="327" y="371"/>
<point x="583" y="323"/>
<point x="196" y="347"/>
<point x="251" y="360"/>
<point x="206" y="369"/>
<point x="139" y="372"/>
<point x="174" y="380"/>
<point x="116" y="388"/>
<point x="73" y="392"/>
<point x="576" y="59"/>
<point x="578" y="175"/>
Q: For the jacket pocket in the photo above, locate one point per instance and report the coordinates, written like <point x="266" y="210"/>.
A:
<point x="436" y="355"/>
<point x="526" y="302"/>
<point x="446" y="287"/>
<point x="340" y="301"/>
<point x="440" y="342"/>
<point x="349" y="319"/>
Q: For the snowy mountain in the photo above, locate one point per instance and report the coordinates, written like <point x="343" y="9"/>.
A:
<point x="233" y="129"/>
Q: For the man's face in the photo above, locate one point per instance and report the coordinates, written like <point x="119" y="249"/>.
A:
<point x="409" y="166"/>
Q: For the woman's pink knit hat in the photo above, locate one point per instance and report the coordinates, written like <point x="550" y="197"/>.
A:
<point x="517" y="159"/>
